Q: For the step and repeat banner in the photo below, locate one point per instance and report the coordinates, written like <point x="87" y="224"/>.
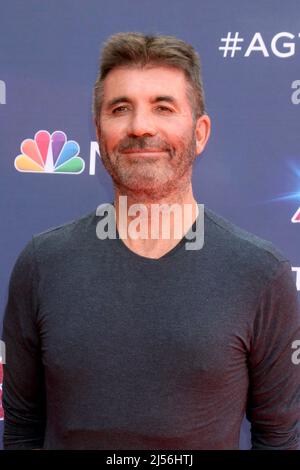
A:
<point x="250" y="170"/>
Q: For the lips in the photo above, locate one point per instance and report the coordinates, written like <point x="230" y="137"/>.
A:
<point x="146" y="152"/>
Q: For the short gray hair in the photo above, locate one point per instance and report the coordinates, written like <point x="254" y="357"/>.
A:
<point x="137" y="49"/>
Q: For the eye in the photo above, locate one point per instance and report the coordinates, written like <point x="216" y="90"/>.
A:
<point x="119" y="109"/>
<point x="164" y="109"/>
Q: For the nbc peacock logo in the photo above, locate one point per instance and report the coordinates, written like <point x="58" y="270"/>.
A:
<point x="50" y="153"/>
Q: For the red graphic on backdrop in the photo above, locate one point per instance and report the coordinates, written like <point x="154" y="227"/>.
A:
<point x="296" y="216"/>
<point x="1" y="409"/>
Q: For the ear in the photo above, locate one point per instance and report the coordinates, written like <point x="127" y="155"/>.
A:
<point x="203" y="127"/>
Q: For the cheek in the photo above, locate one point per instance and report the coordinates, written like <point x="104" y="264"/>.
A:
<point x="177" y="133"/>
<point x="178" y="140"/>
<point x="111" y="135"/>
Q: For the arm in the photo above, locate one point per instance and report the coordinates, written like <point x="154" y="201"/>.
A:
<point x="23" y="384"/>
<point x="274" y="390"/>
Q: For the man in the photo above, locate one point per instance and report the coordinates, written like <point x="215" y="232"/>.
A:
<point x="137" y="342"/>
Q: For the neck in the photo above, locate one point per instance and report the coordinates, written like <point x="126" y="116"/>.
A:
<point x="153" y="227"/>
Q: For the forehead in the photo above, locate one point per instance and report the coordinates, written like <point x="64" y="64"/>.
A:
<point x="146" y="82"/>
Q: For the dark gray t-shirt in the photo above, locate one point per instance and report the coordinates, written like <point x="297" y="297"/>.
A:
<point x="107" y="349"/>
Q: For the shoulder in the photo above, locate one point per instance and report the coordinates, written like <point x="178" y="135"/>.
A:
<point x="58" y="241"/>
<point x="69" y="233"/>
<point x="243" y="251"/>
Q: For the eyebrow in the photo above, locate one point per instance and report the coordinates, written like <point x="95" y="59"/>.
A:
<point x="125" y="99"/>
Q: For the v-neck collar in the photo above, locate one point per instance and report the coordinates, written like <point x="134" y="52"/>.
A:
<point x="175" y="251"/>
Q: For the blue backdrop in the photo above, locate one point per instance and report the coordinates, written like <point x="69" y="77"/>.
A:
<point x="250" y="170"/>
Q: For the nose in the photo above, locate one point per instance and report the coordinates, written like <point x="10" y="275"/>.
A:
<point x="141" y="123"/>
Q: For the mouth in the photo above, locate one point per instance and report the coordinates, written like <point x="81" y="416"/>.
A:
<point x="144" y="152"/>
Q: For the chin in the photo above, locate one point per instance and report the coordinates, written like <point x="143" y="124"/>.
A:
<point x="146" y="190"/>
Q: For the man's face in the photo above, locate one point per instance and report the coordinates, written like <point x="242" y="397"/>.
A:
<point x="146" y="130"/>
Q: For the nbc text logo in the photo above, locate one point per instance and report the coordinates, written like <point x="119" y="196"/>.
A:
<point x="49" y="153"/>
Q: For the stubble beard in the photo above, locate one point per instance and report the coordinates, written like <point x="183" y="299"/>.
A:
<point x="150" y="178"/>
